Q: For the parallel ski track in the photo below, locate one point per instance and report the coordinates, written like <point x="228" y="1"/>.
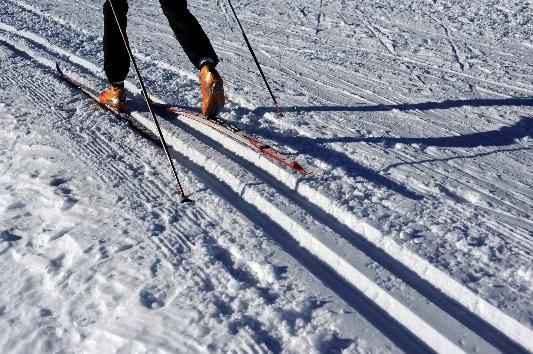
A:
<point x="383" y="319"/>
<point x="147" y="191"/>
<point x="335" y="43"/>
<point x="312" y="209"/>
<point x="506" y="204"/>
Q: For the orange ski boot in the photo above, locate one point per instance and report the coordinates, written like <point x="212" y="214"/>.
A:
<point x="114" y="96"/>
<point x="212" y="90"/>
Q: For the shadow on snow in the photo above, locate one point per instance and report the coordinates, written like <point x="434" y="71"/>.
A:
<point x="423" y="106"/>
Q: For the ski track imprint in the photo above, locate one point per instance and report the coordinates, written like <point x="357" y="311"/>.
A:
<point x="81" y="266"/>
<point x="451" y="190"/>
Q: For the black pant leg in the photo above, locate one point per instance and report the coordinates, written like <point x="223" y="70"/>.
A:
<point x="116" y="58"/>
<point x="188" y="31"/>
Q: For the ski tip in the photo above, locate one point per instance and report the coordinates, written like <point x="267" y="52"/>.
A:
<point x="299" y="168"/>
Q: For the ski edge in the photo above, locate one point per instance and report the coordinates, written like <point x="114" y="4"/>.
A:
<point x="240" y="136"/>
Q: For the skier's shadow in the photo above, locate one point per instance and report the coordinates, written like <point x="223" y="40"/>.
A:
<point x="503" y="136"/>
<point x="317" y="148"/>
<point x="423" y="106"/>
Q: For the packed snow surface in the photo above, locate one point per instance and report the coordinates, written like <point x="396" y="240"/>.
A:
<point x="413" y="232"/>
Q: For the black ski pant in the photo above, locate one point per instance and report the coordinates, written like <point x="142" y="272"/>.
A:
<point x="186" y="28"/>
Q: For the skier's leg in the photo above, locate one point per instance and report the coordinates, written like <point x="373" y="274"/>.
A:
<point x="116" y="59"/>
<point x="188" y="31"/>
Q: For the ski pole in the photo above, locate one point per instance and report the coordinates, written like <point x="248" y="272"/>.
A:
<point x="184" y="198"/>
<point x="278" y="108"/>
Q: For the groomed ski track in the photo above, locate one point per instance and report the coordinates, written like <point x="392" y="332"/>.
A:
<point x="425" y="310"/>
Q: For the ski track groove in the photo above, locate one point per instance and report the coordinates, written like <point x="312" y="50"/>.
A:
<point x="480" y="186"/>
<point x="125" y="175"/>
<point x="487" y="185"/>
<point x="379" y="37"/>
<point x="520" y="244"/>
<point x="102" y="147"/>
<point x="473" y="183"/>
<point x="336" y="44"/>
<point x="318" y="18"/>
<point x="523" y="88"/>
<point x="453" y="46"/>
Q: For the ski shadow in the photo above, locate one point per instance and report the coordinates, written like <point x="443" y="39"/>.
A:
<point x="423" y="106"/>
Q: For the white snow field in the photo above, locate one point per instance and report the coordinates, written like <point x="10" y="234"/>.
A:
<point x="413" y="233"/>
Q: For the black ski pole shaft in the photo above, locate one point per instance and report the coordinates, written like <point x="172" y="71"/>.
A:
<point x="255" y="59"/>
<point x="149" y="104"/>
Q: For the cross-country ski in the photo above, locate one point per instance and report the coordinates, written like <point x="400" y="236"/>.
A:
<point x="121" y="114"/>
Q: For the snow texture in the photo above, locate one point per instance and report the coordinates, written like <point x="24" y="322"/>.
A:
<point x="413" y="233"/>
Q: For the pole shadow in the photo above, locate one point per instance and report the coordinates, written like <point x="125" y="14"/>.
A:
<point x="316" y="147"/>
<point x="423" y="106"/>
<point x="506" y="135"/>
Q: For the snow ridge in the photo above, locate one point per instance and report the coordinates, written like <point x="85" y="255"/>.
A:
<point x="312" y="241"/>
<point x="317" y="222"/>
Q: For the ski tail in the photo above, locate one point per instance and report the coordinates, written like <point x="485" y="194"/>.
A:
<point x="123" y="115"/>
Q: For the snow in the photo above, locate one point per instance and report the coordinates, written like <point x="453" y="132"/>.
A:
<point x="412" y="234"/>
